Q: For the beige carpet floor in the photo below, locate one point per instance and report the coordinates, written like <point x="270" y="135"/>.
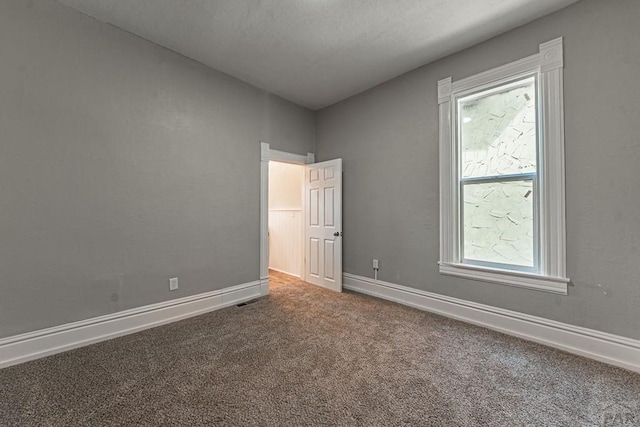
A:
<point x="307" y="356"/>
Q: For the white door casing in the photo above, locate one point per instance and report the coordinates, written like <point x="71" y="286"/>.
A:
<point x="323" y="224"/>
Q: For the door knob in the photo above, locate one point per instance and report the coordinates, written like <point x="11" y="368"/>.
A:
<point x="337" y="233"/>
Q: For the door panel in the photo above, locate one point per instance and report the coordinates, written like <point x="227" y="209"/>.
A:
<point x="314" y="256"/>
<point x="329" y="253"/>
<point x="323" y="224"/>
<point x="314" y="208"/>
<point x="329" y="207"/>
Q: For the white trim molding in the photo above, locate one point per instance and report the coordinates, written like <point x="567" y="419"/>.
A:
<point x="556" y="285"/>
<point x="264" y="286"/>
<point x="549" y="274"/>
<point x="34" y="345"/>
<point x="604" y="347"/>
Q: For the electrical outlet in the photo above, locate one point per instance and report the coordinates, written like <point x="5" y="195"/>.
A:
<point x="375" y="263"/>
<point x="173" y="284"/>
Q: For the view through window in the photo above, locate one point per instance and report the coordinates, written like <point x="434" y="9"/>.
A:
<point x="497" y="131"/>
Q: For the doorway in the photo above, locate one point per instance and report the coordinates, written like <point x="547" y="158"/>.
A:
<point x="286" y="202"/>
<point x="321" y="215"/>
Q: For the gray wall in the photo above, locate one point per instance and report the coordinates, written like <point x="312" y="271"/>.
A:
<point x="123" y="164"/>
<point x="388" y="138"/>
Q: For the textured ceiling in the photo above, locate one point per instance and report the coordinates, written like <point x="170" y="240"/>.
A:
<point x="316" y="52"/>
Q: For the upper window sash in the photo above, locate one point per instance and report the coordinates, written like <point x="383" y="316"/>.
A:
<point x="549" y="273"/>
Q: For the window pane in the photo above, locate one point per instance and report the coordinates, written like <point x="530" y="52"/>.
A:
<point x="498" y="131"/>
<point x="498" y="222"/>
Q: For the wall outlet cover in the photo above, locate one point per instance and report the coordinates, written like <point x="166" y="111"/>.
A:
<point x="173" y="284"/>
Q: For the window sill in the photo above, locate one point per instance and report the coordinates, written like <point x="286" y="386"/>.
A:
<point x="556" y="285"/>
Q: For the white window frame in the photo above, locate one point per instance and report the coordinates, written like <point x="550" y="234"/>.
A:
<point x="550" y="273"/>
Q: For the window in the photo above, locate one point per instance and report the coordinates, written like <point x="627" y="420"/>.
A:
<point x="502" y="214"/>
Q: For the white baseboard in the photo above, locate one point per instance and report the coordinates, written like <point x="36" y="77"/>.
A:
<point x="264" y="286"/>
<point x="607" y="348"/>
<point x="285" y="272"/>
<point x="33" y="345"/>
<point x="601" y="346"/>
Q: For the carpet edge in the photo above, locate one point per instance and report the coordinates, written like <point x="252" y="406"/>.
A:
<point x="45" y="342"/>
<point x="608" y="348"/>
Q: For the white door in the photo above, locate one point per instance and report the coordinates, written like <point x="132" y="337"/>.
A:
<point x="323" y="224"/>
